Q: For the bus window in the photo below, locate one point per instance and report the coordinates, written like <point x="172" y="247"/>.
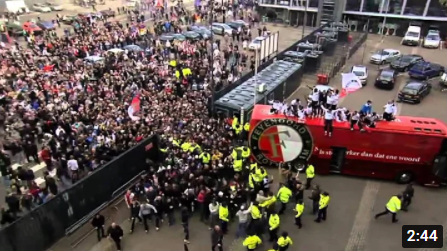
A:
<point x="338" y="159"/>
<point x="440" y="167"/>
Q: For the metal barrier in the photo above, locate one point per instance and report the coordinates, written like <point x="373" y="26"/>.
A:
<point x="48" y="223"/>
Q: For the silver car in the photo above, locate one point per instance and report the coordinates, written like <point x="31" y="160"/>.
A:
<point x="222" y="29"/>
<point x="384" y="56"/>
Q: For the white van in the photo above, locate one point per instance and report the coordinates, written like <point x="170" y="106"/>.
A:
<point x="412" y="36"/>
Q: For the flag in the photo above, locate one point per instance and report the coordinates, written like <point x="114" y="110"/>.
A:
<point x="350" y="83"/>
<point x="134" y="108"/>
<point x="48" y="68"/>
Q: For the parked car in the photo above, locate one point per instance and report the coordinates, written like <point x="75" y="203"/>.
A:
<point x="222" y="29"/>
<point x="15" y="29"/>
<point x="204" y="32"/>
<point x="192" y="35"/>
<point x="426" y="70"/>
<point x="40" y="7"/>
<point x="69" y="19"/>
<point x="108" y="13"/>
<point x="256" y="43"/>
<point x="46" y="25"/>
<point x="385" y="56"/>
<point x="172" y="37"/>
<point x="32" y="28"/>
<point x="361" y="72"/>
<point x="386" y="79"/>
<point x="54" y="6"/>
<point x="235" y="25"/>
<point x="405" y="62"/>
<point x="432" y="40"/>
<point x="414" y="91"/>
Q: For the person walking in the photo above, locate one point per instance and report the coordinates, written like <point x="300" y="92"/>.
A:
<point x="284" y="195"/>
<point x="299" y="209"/>
<point x="324" y="203"/>
<point x="135" y="212"/>
<point x="310" y="175"/>
<point x="145" y="212"/>
<point x="115" y="232"/>
<point x="252" y="242"/>
<point x="216" y="239"/>
<point x="98" y="223"/>
<point x="274" y="222"/>
<point x="315" y="197"/>
<point x="185" y="223"/>
<point x="223" y="217"/>
<point x="284" y="242"/>
<point x="407" y="197"/>
<point x="242" y="214"/>
<point x="392" y="207"/>
<point x="214" y="213"/>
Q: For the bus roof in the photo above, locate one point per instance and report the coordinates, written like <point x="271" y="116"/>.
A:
<point x="402" y="124"/>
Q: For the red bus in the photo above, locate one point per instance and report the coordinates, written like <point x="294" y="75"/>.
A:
<point x="407" y="149"/>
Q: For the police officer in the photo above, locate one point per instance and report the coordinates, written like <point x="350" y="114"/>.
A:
<point x="270" y="204"/>
<point x="299" y="209"/>
<point x="223" y="217"/>
<point x="205" y="157"/>
<point x="284" y="195"/>
<point x="284" y="242"/>
<point x="274" y="222"/>
<point x="98" y="224"/>
<point x="392" y="207"/>
<point x="256" y="216"/>
<point x="252" y="242"/>
<point x="322" y="209"/>
<point x="238" y="160"/>
<point x="310" y="175"/>
<point x="246" y="130"/>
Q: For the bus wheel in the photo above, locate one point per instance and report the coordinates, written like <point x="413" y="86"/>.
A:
<point x="404" y="177"/>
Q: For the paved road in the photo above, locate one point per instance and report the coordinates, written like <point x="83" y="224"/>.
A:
<point x="350" y="225"/>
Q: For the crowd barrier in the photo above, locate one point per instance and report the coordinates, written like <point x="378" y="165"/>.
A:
<point x="46" y="224"/>
<point x="227" y="89"/>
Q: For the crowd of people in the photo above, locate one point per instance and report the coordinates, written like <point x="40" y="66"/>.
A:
<point x="62" y="108"/>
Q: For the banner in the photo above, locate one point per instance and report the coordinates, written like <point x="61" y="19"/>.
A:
<point x="134" y="108"/>
<point x="350" y="83"/>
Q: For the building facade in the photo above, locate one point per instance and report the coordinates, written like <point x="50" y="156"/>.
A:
<point x="365" y="15"/>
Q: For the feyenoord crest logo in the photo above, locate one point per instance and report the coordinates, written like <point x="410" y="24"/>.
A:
<point x="275" y="141"/>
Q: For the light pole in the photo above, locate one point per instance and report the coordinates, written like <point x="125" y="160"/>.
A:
<point x="304" y="19"/>
<point x="256" y="74"/>
<point x="213" y="91"/>
<point x="387" y="6"/>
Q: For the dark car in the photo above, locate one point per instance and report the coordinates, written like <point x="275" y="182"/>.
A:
<point x="172" y="37"/>
<point x="46" y="25"/>
<point x="108" y="13"/>
<point x="204" y="32"/>
<point x="386" y="79"/>
<point x="414" y="91"/>
<point x="14" y="29"/>
<point x="426" y="70"/>
<point x="192" y="35"/>
<point x="405" y="62"/>
<point x="236" y="25"/>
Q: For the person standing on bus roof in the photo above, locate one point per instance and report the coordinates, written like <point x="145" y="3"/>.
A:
<point x="329" y="116"/>
<point x="392" y="207"/>
<point x="407" y="196"/>
<point x="315" y="97"/>
<point x="390" y="111"/>
<point x="367" y="108"/>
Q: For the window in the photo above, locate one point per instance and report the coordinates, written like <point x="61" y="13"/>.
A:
<point x="299" y="3"/>
<point x="313" y="3"/>
<point x="353" y="5"/>
<point x="437" y="8"/>
<point x="372" y="6"/>
<point x="415" y="7"/>
<point x="394" y="6"/>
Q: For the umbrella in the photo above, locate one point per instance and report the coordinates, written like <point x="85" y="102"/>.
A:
<point x="115" y="50"/>
<point x="132" y="48"/>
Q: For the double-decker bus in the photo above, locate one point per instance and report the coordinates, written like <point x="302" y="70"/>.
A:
<point x="407" y="149"/>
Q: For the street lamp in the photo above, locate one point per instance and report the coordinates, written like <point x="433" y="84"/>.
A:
<point x="212" y="58"/>
<point x="305" y="18"/>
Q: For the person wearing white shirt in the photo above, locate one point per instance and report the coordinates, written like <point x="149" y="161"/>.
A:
<point x="390" y="111"/>
<point x="301" y="113"/>
<point x="245" y="44"/>
<point x="72" y="164"/>
<point x="214" y="213"/>
<point x="356" y="120"/>
<point x="329" y="116"/>
<point x="315" y="97"/>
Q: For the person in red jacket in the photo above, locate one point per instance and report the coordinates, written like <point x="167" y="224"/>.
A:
<point x="45" y="155"/>
<point x="201" y="204"/>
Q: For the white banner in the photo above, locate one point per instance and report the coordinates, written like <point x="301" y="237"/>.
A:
<point x="350" y="82"/>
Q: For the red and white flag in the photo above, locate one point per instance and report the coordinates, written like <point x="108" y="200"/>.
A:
<point x="350" y="83"/>
<point x="134" y="108"/>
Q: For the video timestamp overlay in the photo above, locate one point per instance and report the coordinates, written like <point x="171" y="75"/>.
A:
<point x="422" y="236"/>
